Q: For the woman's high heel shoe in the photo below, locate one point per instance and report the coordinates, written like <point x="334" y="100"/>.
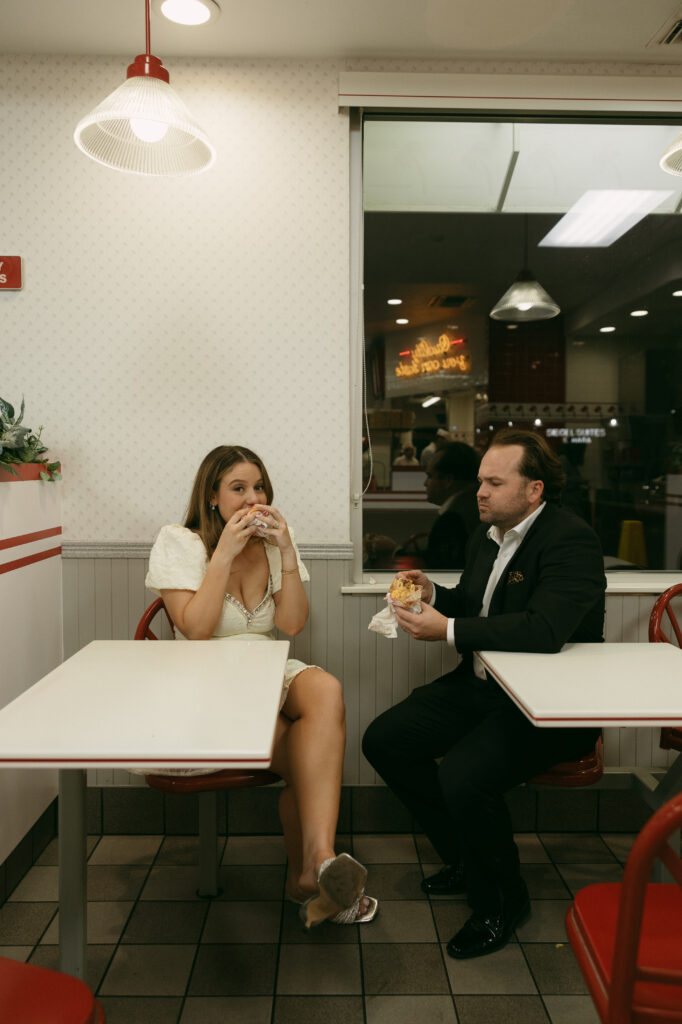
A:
<point x="342" y="886"/>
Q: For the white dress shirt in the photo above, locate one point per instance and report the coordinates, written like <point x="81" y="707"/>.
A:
<point x="508" y="544"/>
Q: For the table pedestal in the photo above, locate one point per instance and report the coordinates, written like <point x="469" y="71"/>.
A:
<point x="73" y="914"/>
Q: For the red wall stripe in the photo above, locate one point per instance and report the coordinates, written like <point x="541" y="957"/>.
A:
<point x="18" y="563"/>
<point x="27" y="538"/>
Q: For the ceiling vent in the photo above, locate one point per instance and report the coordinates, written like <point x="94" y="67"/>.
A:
<point x="449" y="301"/>
<point x="670" y="34"/>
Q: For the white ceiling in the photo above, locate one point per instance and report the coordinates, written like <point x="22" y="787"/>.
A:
<point x="559" y="30"/>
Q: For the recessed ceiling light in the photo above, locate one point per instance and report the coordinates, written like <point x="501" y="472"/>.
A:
<point x="430" y="401"/>
<point x="402" y="320"/>
<point x="606" y="330"/>
<point x="678" y="293"/>
<point x="613" y="422"/>
<point x="640" y="312"/>
<point x="395" y="302"/>
<point x="188" y="12"/>
<point x="537" y="422"/>
<point x="602" y="215"/>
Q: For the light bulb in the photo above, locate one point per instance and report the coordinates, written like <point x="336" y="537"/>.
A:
<point x="148" y="131"/>
<point x="523" y="306"/>
<point x="186" y="12"/>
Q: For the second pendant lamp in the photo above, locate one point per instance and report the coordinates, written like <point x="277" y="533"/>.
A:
<point x="525" y="299"/>
<point x="143" y="127"/>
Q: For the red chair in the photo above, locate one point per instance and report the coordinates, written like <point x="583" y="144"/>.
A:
<point x="574" y="774"/>
<point x="627" y="936"/>
<point x="671" y="737"/>
<point x="36" y="995"/>
<point x="206" y="786"/>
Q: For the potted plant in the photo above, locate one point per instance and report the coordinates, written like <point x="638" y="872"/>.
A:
<point x="21" y="449"/>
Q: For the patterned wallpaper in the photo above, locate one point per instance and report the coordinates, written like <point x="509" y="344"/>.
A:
<point x="160" y="318"/>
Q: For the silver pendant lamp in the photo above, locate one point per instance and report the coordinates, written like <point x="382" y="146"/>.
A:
<point x="525" y="299"/>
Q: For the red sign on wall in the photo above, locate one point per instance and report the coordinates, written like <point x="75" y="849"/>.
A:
<point x="10" y="271"/>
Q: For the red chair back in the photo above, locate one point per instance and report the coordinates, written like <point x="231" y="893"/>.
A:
<point x="671" y="737"/>
<point x="143" y="631"/>
<point x="627" y="936"/>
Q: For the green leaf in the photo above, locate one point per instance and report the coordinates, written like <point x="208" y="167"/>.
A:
<point x="45" y="476"/>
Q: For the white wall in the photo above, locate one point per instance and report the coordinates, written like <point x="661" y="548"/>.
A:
<point x="162" y="317"/>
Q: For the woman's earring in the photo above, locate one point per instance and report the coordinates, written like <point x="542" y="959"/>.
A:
<point x="212" y="507"/>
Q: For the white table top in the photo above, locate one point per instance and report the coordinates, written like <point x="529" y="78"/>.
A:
<point x="128" y="703"/>
<point x="594" y="684"/>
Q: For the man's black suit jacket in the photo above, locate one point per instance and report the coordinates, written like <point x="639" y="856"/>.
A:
<point x="551" y="592"/>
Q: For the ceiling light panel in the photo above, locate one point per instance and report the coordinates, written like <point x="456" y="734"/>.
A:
<point x="601" y="216"/>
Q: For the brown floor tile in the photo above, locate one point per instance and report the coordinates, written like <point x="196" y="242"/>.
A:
<point x="500" y="1009"/>
<point x="410" y="1009"/>
<point x="571" y="1010"/>
<point x="106" y="920"/>
<point x="502" y="973"/>
<point x="395" y="882"/>
<point x="224" y="1009"/>
<point x="240" y="922"/>
<point x="140" y="1010"/>
<point x="404" y="969"/>
<point x="96" y="961"/>
<point x="554" y="968"/>
<point x="245" y="970"/>
<point x="576" y="848"/>
<point x="125" y="850"/>
<point x="319" y="970"/>
<point x="294" y="932"/>
<point x="24" y="923"/>
<point x="317" y="1009"/>
<point x="148" y="971"/>
<point x="166" y="921"/>
<point x="400" y="921"/>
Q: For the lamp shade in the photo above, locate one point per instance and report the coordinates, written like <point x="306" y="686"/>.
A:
<point x="671" y="161"/>
<point x="525" y="300"/>
<point x="144" y="128"/>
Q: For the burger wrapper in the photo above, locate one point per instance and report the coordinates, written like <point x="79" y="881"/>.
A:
<point x="385" y="622"/>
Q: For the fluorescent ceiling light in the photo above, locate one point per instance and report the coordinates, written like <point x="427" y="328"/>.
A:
<point x="606" y="330"/>
<point x="601" y="216"/>
<point x="402" y="320"/>
<point x="678" y="294"/>
<point x="395" y="302"/>
<point x="640" y="312"/>
<point x="430" y="401"/>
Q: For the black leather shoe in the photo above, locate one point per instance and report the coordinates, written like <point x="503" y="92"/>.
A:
<point x="449" y="881"/>
<point x="481" y="935"/>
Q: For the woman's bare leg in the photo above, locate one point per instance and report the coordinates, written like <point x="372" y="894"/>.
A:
<point x="309" y="757"/>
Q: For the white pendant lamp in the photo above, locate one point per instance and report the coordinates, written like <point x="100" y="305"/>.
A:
<point x="143" y="127"/>
<point x="671" y="161"/>
<point x="526" y="299"/>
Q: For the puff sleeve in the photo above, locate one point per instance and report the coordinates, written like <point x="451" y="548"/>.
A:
<point x="177" y="560"/>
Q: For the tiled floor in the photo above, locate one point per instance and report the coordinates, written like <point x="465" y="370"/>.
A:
<point x="160" y="955"/>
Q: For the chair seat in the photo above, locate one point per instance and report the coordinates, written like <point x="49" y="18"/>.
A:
<point x="36" y="995"/>
<point x="591" y="926"/>
<point x="229" y="778"/>
<point x="569" y="774"/>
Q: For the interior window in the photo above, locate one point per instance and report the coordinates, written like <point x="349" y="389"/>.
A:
<point x="525" y="274"/>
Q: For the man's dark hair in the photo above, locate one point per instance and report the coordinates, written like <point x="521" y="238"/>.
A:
<point x="458" y="460"/>
<point x="538" y="461"/>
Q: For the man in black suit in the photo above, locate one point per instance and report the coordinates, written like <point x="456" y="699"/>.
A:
<point x="451" y="484"/>
<point x="533" y="580"/>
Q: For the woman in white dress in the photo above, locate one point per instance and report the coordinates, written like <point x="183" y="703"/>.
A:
<point x="233" y="572"/>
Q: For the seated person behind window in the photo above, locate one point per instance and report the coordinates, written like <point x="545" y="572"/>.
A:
<point x="451" y="482"/>
<point x="408" y="457"/>
<point x="233" y="573"/>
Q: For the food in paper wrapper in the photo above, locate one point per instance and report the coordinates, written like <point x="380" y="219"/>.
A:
<point x="404" y="592"/>
<point x="258" y="515"/>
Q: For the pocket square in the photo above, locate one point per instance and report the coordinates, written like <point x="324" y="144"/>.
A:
<point x="515" y="576"/>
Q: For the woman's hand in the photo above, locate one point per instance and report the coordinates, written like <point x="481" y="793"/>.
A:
<point x="277" y="530"/>
<point x="237" y="531"/>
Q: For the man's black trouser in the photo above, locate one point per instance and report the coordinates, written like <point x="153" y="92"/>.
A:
<point x="487" y="747"/>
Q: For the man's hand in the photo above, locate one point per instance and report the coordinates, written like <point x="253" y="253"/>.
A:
<point x="428" y="625"/>
<point x="419" y="580"/>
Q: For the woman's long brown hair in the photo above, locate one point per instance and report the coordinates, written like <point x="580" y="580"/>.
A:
<point x="200" y="517"/>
